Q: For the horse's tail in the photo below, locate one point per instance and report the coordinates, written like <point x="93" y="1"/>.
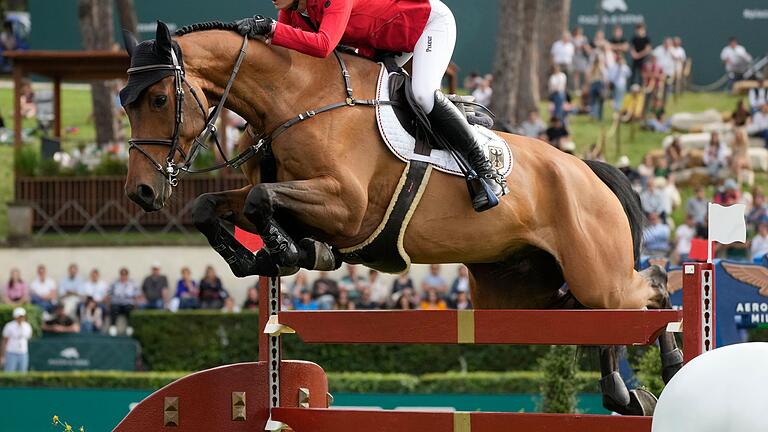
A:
<point x="622" y="188"/>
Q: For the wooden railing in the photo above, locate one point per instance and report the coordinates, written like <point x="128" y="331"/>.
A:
<point x="96" y="203"/>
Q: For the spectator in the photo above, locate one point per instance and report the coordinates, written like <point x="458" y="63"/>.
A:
<point x="461" y="283"/>
<point x="668" y="186"/>
<point x="433" y="281"/>
<point x="91" y="316"/>
<point x="71" y="287"/>
<point x="471" y="81"/>
<point x="462" y="301"/>
<point x="597" y="84"/>
<point x="759" y="125"/>
<point x="758" y="96"/>
<point x="582" y="51"/>
<point x="212" y="292"/>
<point x="618" y="76"/>
<point x="122" y="299"/>
<point x="640" y="49"/>
<point x="186" y="290"/>
<point x="618" y="43"/>
<point x="624" y="166"/>
<point x="736" y="60"/>
<point x="674" y="155"/>
<point x="557" y="85"/>
<point x="684" y="235"/>
<point x="251" y="299"/>
<point x="352" y="282"/>
<point x="155" y="288"/>
<point x="532" y="126"/>
<point x="656" y="236"/>
<point x="759" y="211"/>
<point x="658" y="123"/>
<point x="483" y="93"/>
<point x="14" y="351"/>
<point x="665" y="57"/>
<point x="299" y="284"/>
<point x="8" y="38"/>
<point x="43" y="290"/>
<point x="344" y="302"/>
<point x="16" y="291"/>
<point x="557" y="134"/>
<point x="404" y="301"/>
<point x="654" y="201"/>
<point x="366" y="301"/>
<point x="716" y="155"/>
<point x="680" y="57"/>
<point x="230" y="306"/>
<point x="61" y="322"/>
<point x="759" y="244"/>
<point x="698" y="206"/>
<point x="741" y="114"/>
<point x="739" y="160"/>
<point x="403" y="283"/>
<point x="729" y="194"/>
<point x="432" y="301"/>
<point x="325" y="290"/>
<point x="632" y="109"/>
<point x="562" y="53"/>
<point x="95" y="287"/>
<point x="646" y="169"/>
<point x="653" y="83"/>
<point x="379" y="291"/>
<point x="27" y="100"/>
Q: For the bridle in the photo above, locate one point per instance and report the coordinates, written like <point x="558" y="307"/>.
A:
<point x="172" y="169"/>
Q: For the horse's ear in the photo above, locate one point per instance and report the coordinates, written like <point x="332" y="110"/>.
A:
<point x="130" y="42"/>
<point x="163" y="36"/>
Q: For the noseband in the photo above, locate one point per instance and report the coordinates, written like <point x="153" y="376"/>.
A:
<point x="172" y="169"/>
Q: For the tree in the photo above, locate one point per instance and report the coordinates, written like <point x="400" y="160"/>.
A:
<point x="528" y="95"/>
<point x="96" y="33"/>
<point x="553" y="21"/>
<point x="126" y="10"/>
<point x="506" y="67"/>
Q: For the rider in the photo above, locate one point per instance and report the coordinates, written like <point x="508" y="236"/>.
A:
<point x="425" y="28"/>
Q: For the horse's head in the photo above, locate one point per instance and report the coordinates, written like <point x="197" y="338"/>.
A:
<point x="166" y="112"/>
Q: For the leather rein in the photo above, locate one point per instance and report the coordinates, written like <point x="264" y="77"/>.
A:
<point x="172" y="169"/>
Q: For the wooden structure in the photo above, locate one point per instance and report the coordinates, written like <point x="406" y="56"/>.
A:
<point x="274" y="393"/>
<point x="61" y="66"/>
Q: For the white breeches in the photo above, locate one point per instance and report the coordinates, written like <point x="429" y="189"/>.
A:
<point x="432" y="54"/>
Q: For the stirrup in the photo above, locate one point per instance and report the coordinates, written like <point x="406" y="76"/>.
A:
<point x="483" y="197"/>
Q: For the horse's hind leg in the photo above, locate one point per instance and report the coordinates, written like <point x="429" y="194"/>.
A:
<point x="671" y="356"/>
<point x="616" y="396"/>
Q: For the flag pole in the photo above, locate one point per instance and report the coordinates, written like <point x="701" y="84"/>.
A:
<point x="710" y="244"/>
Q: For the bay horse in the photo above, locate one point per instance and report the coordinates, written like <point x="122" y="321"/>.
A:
<point x="565" y="223"/>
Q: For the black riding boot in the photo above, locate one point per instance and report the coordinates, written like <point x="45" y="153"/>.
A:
<point x="450" y="123"/>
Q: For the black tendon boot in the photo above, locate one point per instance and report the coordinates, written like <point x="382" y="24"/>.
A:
<point x="487" y="186"/>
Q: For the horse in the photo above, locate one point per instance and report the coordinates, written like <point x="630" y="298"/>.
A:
<point x="566" y="236"/>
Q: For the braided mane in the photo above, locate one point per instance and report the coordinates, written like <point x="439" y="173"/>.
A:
<point x="209" y="25"/>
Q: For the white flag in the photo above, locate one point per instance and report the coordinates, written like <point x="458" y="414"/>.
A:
<point x="726" y="224"/>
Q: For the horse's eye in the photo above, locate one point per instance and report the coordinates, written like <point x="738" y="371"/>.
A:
<point x="159" y="101"/>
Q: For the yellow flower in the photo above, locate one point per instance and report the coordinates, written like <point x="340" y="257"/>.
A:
<point x="82" y="429"/>
<point x="55" y="419"/>
<point x="67" y="427"/>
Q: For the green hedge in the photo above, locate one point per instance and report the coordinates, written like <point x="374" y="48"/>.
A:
<point x="344" y="382"/>
<point x="34" y="316"/>
<point x="201" y="339"/>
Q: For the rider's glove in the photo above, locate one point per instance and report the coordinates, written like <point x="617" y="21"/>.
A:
<point x="255" y="27"/>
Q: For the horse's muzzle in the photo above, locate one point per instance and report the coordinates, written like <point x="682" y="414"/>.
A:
<point x="145" y="196"/>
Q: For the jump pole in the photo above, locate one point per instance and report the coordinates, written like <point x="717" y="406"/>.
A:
<point x="696" y="320"/>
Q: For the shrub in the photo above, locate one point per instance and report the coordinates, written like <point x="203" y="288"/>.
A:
<point x="558" y="388"/>
<point x="26" y="160"/>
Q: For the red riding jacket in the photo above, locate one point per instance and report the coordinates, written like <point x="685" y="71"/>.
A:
<point x="368" y="25"/>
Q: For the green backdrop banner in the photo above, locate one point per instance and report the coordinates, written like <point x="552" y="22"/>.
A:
<point x="83" y="352"/>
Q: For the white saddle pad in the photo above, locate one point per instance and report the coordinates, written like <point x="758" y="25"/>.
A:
<point x="401" y="143"/>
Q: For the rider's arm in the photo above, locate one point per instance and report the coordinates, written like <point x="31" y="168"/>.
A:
<point x="322" y="43"/>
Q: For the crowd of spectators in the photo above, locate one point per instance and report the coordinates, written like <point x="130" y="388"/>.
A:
<point x="89" y="305"/>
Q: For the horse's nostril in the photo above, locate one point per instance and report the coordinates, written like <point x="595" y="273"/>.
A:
<point x="145" y="193"/>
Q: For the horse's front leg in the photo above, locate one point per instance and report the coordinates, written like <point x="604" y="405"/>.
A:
<point x="311" y="202"/>
<point x="208" y="213"/>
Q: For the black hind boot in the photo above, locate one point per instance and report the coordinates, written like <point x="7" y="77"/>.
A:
<point x="486" y="185"/>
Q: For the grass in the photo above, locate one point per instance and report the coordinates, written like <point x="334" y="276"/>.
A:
<point x="76" y="110"/>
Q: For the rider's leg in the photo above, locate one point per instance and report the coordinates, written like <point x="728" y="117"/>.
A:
<point x="431" y="57"/>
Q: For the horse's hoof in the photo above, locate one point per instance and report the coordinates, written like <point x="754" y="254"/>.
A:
<point x="318" y="255"/>
<point x="641" y="403"/>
